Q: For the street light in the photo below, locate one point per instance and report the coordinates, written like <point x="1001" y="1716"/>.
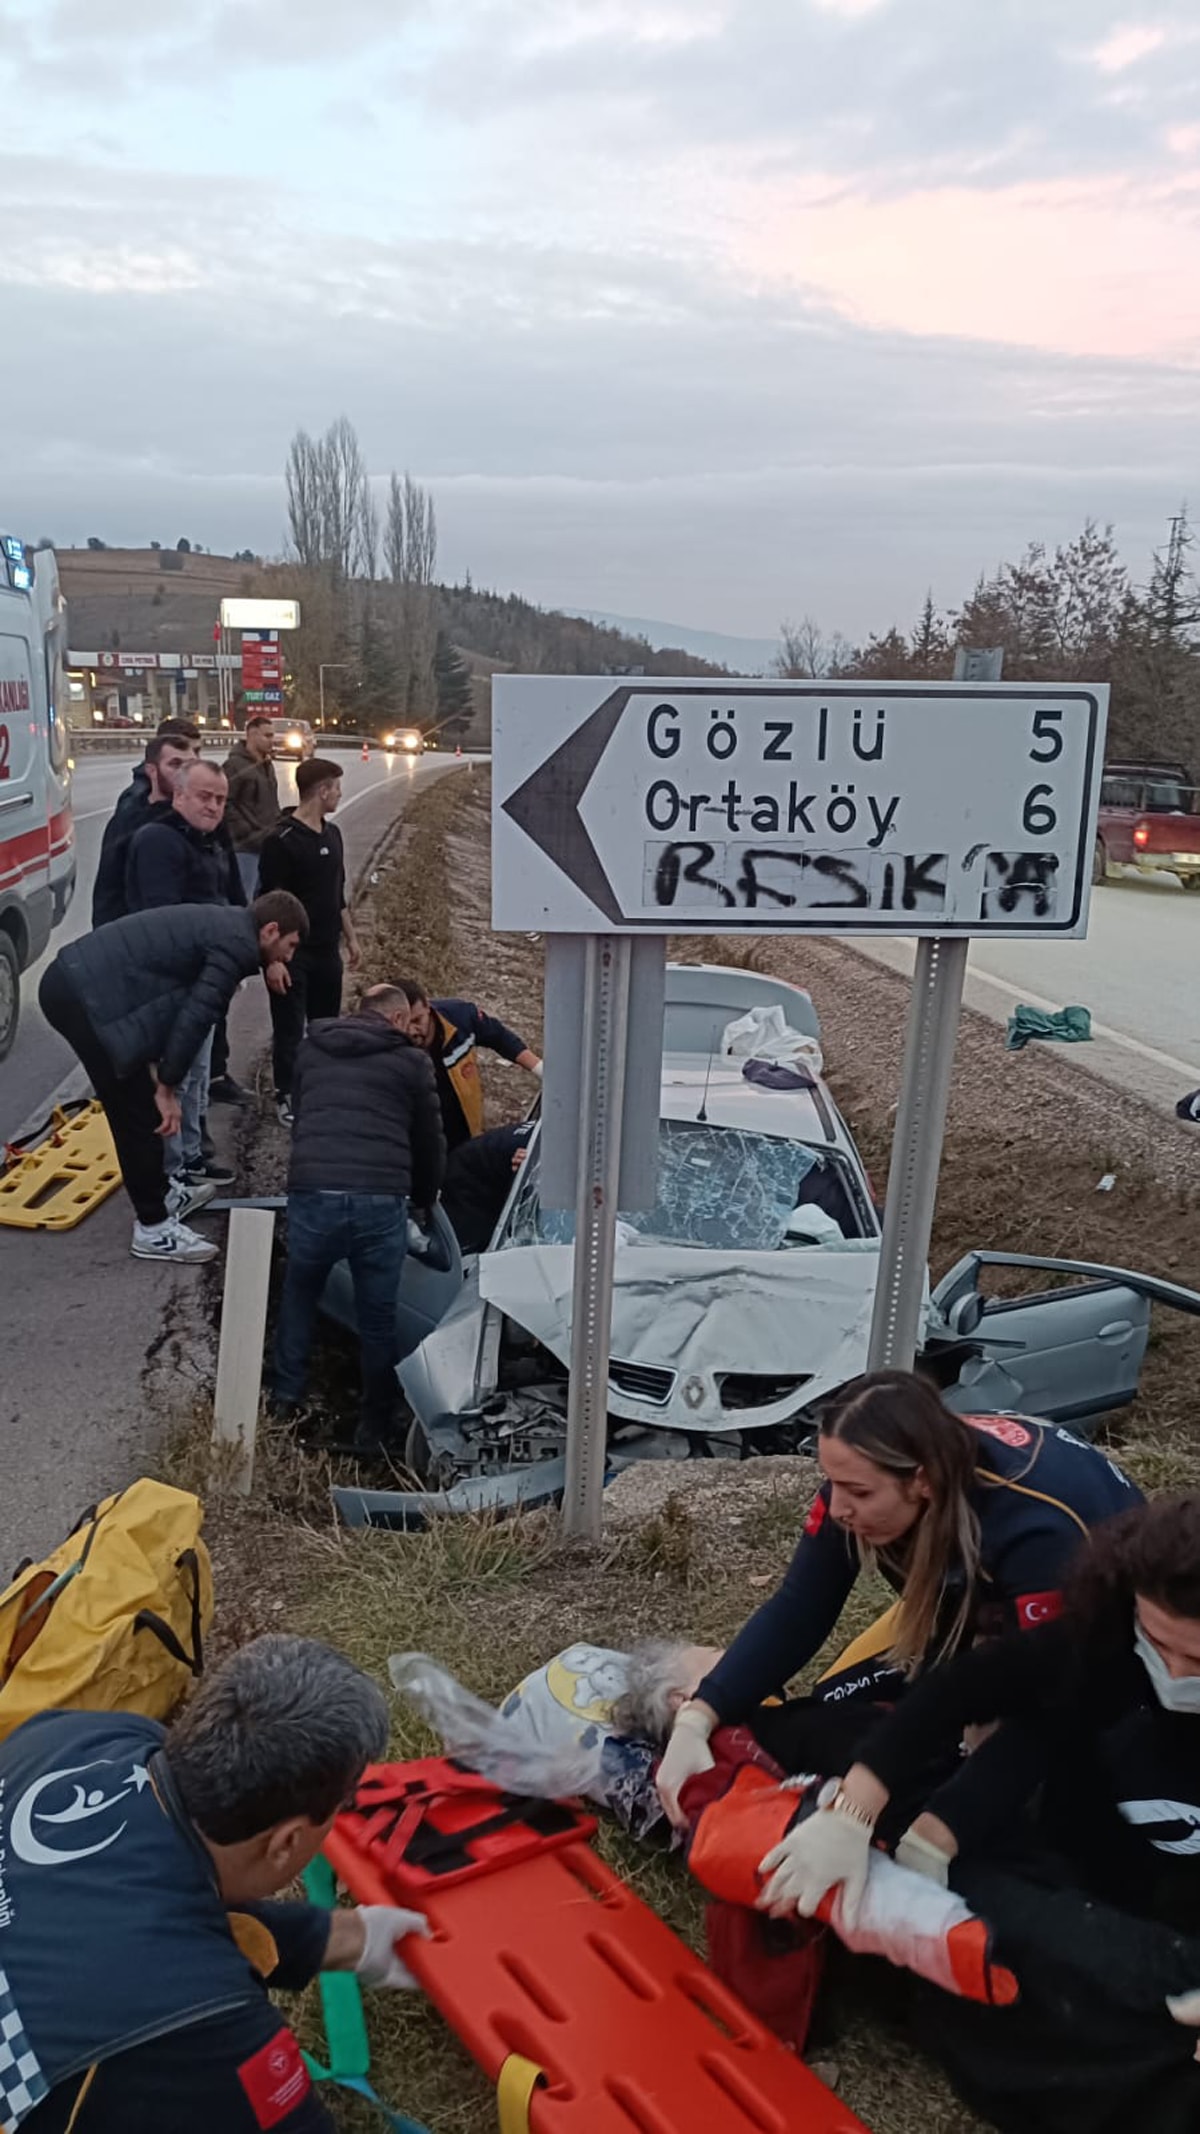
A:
<point x="331" y="666"/>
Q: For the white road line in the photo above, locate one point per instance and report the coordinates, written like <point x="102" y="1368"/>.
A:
<point x="1115" y="1037"/>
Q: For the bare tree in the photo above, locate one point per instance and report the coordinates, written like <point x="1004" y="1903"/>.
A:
<point x="410" y="553"/>
<point x="806" y="653"/>
<point x="303" y="478"/>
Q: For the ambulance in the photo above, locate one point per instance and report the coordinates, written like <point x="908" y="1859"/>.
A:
<point x="37" y="835"/>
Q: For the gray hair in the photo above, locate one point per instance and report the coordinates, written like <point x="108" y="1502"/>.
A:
<point x="285" y="1727"/>
<point x="656" y="1678"/>
<point x="183" y="772"/>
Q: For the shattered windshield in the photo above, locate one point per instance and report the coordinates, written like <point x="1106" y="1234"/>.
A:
<point x="721" y="1187"/>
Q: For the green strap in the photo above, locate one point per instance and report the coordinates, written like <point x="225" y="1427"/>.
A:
<point x="345" y="2022"/>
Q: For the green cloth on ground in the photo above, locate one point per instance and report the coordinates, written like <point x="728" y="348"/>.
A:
<point x="1071" y="1026"/>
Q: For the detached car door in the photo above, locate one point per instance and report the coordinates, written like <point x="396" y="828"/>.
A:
<point x="1069" y="1354"/>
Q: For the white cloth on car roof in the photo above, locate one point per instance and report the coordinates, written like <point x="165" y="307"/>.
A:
<point x="765" y="1034"/>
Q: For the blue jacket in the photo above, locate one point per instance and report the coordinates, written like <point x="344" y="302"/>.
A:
<point x="459" y="1028"/>
<point x="113" y="1932"/>
<point x="1038" y="1493"/>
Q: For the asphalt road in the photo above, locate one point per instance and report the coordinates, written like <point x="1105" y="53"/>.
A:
<point x="1138" y="972"/>
<point x="84" y="1328"/>
<point x="39" y="1060"/>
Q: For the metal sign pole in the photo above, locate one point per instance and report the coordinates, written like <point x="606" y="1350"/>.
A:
<point x="917" y="1150"/>
<point x="605" y="1039"/>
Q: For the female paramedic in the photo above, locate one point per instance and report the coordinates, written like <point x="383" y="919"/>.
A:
<point x="971" y="1522"/>
<point x="1088" y="1871"/>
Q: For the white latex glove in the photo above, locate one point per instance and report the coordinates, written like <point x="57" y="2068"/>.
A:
<point x="924" y="1859"/>
<point x="830" y="1848"/>
<point x="383" y="1926"/>
<point x="687" y="1754"/>
<point x="538" y="1070"/>
<point x="1185" y="2007"/>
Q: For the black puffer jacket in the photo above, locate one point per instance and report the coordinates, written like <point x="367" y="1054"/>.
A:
<point x="153" y="985"/>
<point x="171" y="862"/>
<point x="367" y="1113"/>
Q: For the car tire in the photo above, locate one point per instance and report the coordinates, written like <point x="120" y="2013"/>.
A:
<point x="1100" y="861"/>
<point x="10" y="993"/>
<point x="1190" y="881"/>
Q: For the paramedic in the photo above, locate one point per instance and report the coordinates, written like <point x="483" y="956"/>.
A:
<point x="450" y="1031"/>
<point x="1088" y="1871"/>
<point x="972" y="1522"/>
<point x="139" y="1940"/>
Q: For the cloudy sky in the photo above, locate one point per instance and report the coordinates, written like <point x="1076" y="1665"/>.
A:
<point x="713" y="310"/>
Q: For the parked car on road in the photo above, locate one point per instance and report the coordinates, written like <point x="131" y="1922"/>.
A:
<point x="1148" y="819"/>
<point x="742" y="1300"/>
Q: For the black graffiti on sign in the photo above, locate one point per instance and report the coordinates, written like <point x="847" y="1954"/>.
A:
<point x="1020" y="885"/>
<point x="720" y="875"/>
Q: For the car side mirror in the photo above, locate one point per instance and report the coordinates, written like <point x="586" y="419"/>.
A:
<point x="965" y="1315"/>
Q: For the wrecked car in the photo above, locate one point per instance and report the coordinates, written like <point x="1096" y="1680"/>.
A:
<point x="742" y="1300"/>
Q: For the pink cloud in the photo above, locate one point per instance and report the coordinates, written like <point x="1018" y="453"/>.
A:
<point x="1091" y="268"/>
<point x="1126" y="46"/>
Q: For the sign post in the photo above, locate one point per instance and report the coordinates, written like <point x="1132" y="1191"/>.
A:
<point x="632" y="810"/>
<point x="933" y="1014"/>
<point x="605" y="1039"/>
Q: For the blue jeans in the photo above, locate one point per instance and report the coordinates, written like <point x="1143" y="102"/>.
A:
<point x="248" y="869"/>
<point x="370" y="1230"/>
<point x="184" y="1151"/>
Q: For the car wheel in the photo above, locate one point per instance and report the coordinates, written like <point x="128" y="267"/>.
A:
<point x="1100" y="861"/>
<point x="1190" y="881"/>
<point x="10" y="994"/>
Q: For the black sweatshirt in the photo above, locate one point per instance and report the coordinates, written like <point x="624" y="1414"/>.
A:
<point x="1039" y="1492"/>
<point x="310" y="863"/>
<point x="1117" y="1778"/>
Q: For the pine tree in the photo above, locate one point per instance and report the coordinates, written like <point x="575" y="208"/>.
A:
<point x="454" y="694"/>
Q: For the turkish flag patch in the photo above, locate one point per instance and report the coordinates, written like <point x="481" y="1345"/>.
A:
<point x="275" y="2079"/>
<point x="1035" y="1608"/>
<point x="818" y="1514"/>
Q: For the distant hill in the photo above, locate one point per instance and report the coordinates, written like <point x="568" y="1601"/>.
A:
<point x="151" y="600"/>
<point x="531" y="640"/>
<point x="741" y="655"/>
<point x="147" y="600"/>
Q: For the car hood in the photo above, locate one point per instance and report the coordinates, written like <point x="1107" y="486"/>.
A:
<point x="699" y="1316"/>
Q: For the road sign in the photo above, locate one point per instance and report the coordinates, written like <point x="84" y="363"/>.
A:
<point x="794" y="807"/>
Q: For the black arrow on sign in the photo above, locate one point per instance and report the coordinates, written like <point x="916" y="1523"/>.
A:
<point x="546" y="807"/>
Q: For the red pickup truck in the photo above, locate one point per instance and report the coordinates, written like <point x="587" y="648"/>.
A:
<point x="1148" y="819"/>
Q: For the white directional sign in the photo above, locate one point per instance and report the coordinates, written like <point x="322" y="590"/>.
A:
<point x="699" y="806"/>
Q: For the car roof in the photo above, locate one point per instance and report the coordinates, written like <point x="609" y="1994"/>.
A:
<point x="791" y="1114"/>
<point x="701" y="998"/>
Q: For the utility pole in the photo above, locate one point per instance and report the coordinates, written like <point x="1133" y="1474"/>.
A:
<point x="329" y="666"/>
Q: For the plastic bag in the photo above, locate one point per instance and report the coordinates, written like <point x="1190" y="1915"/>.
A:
<point x="765" y="1034"/>
<point x="506" y="1747"/>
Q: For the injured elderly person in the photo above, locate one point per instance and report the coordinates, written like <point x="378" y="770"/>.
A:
<point x="593" y="1722"/>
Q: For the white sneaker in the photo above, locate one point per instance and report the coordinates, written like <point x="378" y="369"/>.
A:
<point x="171" y="1241"/>
<point x="183" y="1199"/>
<point x="284" y="1112"/>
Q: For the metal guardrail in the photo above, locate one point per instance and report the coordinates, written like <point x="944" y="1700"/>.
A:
<point x="131" y="740"/>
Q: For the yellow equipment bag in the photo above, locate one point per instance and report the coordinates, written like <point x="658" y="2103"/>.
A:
<point x="115" y="1619"/>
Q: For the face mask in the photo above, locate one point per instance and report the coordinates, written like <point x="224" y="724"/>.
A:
<point x="1183" y="1696"/>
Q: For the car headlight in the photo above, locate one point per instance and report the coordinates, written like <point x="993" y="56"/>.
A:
<point x="412" y="743"/>
<point x="295" y="740"/>
<point x="389" y="740"/>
